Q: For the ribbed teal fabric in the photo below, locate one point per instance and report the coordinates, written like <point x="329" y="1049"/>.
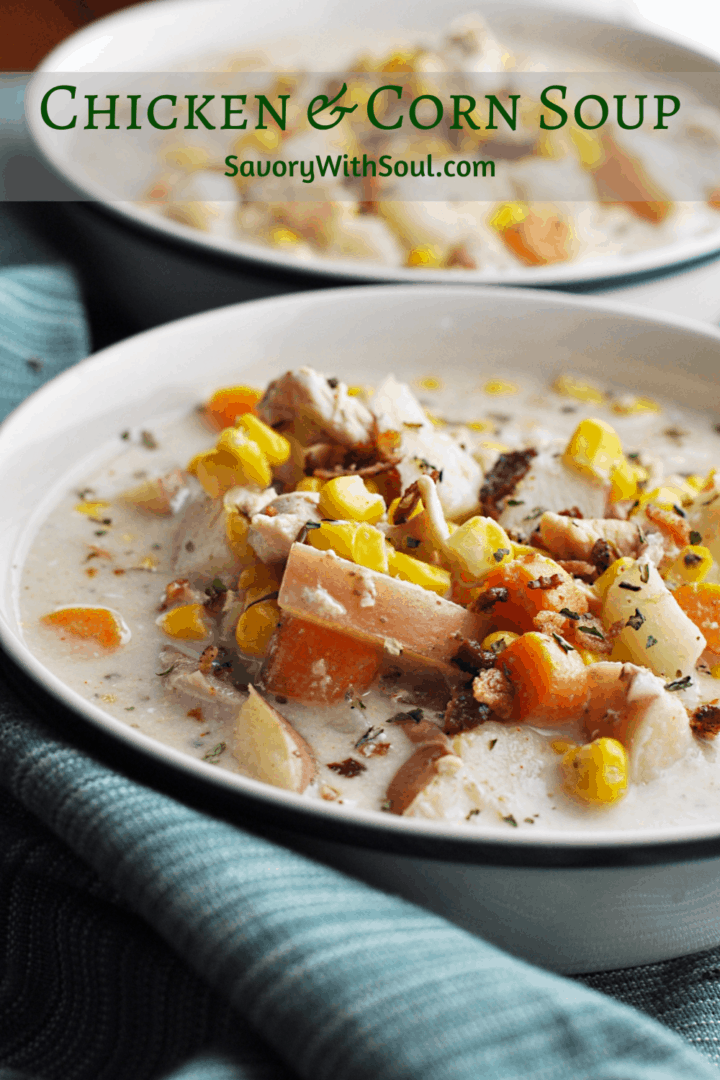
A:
<point x="311" y="974"/>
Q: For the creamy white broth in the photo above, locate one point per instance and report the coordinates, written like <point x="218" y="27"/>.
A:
<point x="128" y="554"/>
<point x="685" y="158"/>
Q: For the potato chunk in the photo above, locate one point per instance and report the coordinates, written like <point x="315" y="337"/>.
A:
<point x="386" y="612"/>
<point x="269" y="748"/>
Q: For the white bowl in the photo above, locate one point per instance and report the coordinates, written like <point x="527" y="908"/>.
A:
<point x="571" y="901"/>
<point x="157" y="269"/>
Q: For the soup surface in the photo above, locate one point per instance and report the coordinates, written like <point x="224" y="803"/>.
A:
<point x="495" y="604"/>
<point x="578" y="193"/>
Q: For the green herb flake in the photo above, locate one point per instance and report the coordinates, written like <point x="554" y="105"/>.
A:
<point x="695" y="537"/>
<point x="510" y="820"/>
<point x="635" y="621"/>
<point x="491" y="744"/>
<point x="570" y="614"/>
<point x="645" y="573"/>
<point x="651" y="641"/>
<point x="167" y="671"/>
<point x="148" y="440"/>
<point x="564" y="645"/>
<point x="130" y="708"/>
<point x="212" y="755"/>
<point x="471" y="814"/>
<point x="592" y="630"/>
<point x="678" y="684"/>
<point x="515" y="502"/>
<point x="500" y="554"/>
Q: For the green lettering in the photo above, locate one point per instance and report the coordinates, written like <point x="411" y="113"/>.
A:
<point x="193" y="112"/>
<point x="603" y="112"/>
<point x="373" y="118"/>
<point x="151" y="112"/>
<point x="229" y="111"/>
<point x="555" y="108"/>
<point x="46" y="115"/>
<point x="281" y="121"/>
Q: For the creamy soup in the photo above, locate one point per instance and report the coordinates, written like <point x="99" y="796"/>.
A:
<point x="575" y="194"/>
<point x="497" y="605"/>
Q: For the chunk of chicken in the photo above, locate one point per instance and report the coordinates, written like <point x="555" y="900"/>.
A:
<point x="325" y="405"/>
<point x="200" y="547"/>
<point x="216" y="698"/>
<point x="426" y="448"/>
<point x="549" y="484"/>
<point x="630" y="704"/>
<point x="575" y="538"/>
<point x="272" y="536"/>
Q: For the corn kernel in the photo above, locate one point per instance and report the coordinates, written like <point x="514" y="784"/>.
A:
<point x="500" y="636"/>
<point x="427" y="257"/>
<point x="429" y="382"/>
<point x="347" y="498"/>
<point x="594" y="449"/>
<point x="410" y="569"/>
<point x="521" y="549"/>
<point x="436" y="421"/>
<point x="715" y="671"/>
<point x="697" y="483"/>
<point x="92" y="509"/>
<point x="215" y="473"/>
<point x="632" y="405"/>
<point x="596" y="773"/>
<point x="692" y="564"/>
<point x="607" y="578"/>
<point x="369" y="548"/>
<point x="309" y="483"/>
<point x="491" y="444"/>
<point x="187" y="623"/>
<point x="237" y="527"/>
<point x="256" y="626"/>
<point x="257" y="580"/>
<point x="480" y="425"/>
<point x="274" y="446"/>
<point x="508" y="214"/>
<point x="666" y="497"/>
<point x="334" y="536"/>
<point x="478" y="546"/>
<point x="500" y="387"/>
<point x="281" y="236"/>
<point x="244" y="455"/>
<point x="589" y="147"/>
<point x="623" y="481"/>
<point x="569" y="386"/>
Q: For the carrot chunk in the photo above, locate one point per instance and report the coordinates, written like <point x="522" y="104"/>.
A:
<point x="315" y="664"/>
<point x="534" y="583"/>
<point x="227" y="404"/>
<point x="98" y="625"/>
<point x="548" y="677"/>
<point x="701" y="604"/>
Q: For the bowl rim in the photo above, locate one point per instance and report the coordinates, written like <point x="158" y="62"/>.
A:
<point x="615" y="271"/>
<point x="428" y="839"/>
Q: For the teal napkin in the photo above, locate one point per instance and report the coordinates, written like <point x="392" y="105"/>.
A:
<point x="304" y="972"/>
